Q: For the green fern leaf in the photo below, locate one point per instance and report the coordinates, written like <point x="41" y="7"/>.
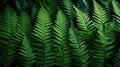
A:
<point x="52" y="8"/>
<point x="18" y="4"/>
<point x="103" y="45"/>
<point x="106" y="4"/>
<point x="68" y="8"/>
<point x="86" y="30"/>
<point x="116" y="10"/>
<point x="116" y="20"/>
<point x="61" y="48"/>
<point x="34" y="11"/>
<point x="21" y="41"/>
<point x="116" y="60"/>
<point x="23" y="27"/>
<point x="7" y="28"/>
<point x="84" y="25"/>
<point x="42" y="39"/>
<point x="84" y="5"/>
<point x="78" y="49"/>
<point x="26" y="55"/>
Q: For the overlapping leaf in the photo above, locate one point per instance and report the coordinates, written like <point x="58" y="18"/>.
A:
<point x="84" y="25"/>
<point x="84" y="5"/>
<point x="61" y="46"/>
<point x="7" y="28"/>
<point x="116" y="59"/>
<point x="116" y="20"/>
<point x="78" y="49"/>
<point x="42" y="34"/>
<point x="25" y="55"/>
<point x="68" y="9"/>
<point x="103" y="45"/>
<point x="23" y="27"/>
<point x="116" y="10"/>
<point x="86" y="30"/>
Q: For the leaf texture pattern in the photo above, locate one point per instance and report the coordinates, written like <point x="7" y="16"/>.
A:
<point x="42" y="44"/>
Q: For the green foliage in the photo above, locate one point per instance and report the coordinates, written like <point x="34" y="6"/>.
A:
<point x="106" y="5"/>
<point x="103" y="45"/>
<point x="84" y="5"/>
<point x="52" y="8"/>
<point x="78" y="48"/>
<point x="68" y="8"/>
<point x="23" y="4"/>
<point x="26" y="55"/>
<point x="24" y="51"/>
<point x="61" y="46"/>
<point x="7" y="27"/>
<point x="23" y="27"/>
<point x="116" y="20"/>
<point x="34" y="11"/>
<point x="84" y="25"/>
<point x="59" y="33"/>
<point x="117" y="59"/>
<point x="116" y="10"/>
<point x="86" y="31"/>
<point x="42" y="45"/>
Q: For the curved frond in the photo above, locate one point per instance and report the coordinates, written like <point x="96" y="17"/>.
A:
<point x="7" y="28"/>
<point x="107" y="4"/>
<point x="84" y="5"/>
<point x="116" y="60"/>
<point x="78" y="49"/>
<point x="52" y="8"/>
<point x="21" y="41"/>
<point x="61" y="47"/>
<point x="23" y="27"/>
<point x="84" y="24"/>
<point x="26" y="55"/>
<point x="68" y="8"/>
<point x="18" y="5"/>
<point x="116" y="9"/>
<point x="86" y="30"/>
<point x="103" y="45"/>
<point x="116" y="20"/>
<point x="42" y="45"/>
<point x="34" y="11"/>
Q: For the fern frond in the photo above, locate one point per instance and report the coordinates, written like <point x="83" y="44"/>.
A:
<point x="116" y="9"/>
<point x="116" y="20"/>
<point x="86" y="29"/>
<point x="103" y="45"/>
<point x="21" y="34"/>
<point x="23" y="27"/>
<point x="61" y="47"/>
<point x="106" y="4"/>
<point x="84" y="24"/>
<point x="84" y="5"/>
<point x="26" y="55"/>
<point x="78" y="49"/>
<point x="42" y="39"/>
<point x="34" y="11"/>
<point x="7" y="28"/>
<point x="52" y="8"/>
<point x="18" y="5"/>
<point x="99" y="14"/>
<point x="82" y="19"/>
<point x="68" y="8"/>
<point x="116" y="60"/>
<point x="27" y="3"/>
